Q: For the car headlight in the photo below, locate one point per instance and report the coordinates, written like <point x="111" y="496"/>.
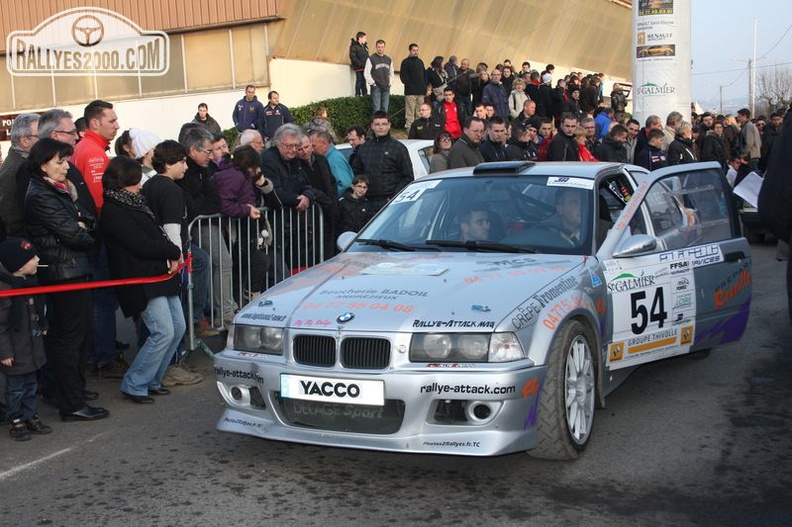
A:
<point x="258" y="339"/>
<point x="465" y="347"/>
<point x="437" y="346"/>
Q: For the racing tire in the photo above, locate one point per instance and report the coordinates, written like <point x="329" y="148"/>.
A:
<point x="568" y="395"/>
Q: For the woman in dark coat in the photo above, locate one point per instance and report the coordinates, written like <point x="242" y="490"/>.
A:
<point x="61" y="231"/>
<point x="680" y="151"/>
<point x="243" y="189"/>
<point x="714" y="146"/>
<point x="138" y="247"/>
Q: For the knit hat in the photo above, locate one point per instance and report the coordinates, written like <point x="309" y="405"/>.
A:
<point x="142" y="141"/>
<point x="533" y="122"/>
<point x="547" y="78"/>
<point x="16" y="252"/>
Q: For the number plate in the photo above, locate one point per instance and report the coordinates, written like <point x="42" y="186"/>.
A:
<point x="654" y="309"/>
<point x="349" y="391"/>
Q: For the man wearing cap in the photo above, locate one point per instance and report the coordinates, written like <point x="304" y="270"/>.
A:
<point x="143" y="143"/>
<point x="544" y="105"/>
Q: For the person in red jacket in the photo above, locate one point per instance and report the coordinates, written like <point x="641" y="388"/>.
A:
<point x="90" y="154"/>
<point x="90" y="158"/>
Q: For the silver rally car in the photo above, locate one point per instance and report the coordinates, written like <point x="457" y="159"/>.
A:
<point x="491" y="309"/>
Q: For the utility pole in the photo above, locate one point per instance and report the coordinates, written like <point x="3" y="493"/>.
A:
<point x="752" y="71"/>
<point x="750" y="86"/>
<point x="720" y="94"/>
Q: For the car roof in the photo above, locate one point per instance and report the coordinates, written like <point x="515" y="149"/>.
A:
<point x="584" y="170"/>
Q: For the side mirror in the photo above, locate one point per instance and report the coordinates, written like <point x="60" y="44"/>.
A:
<point x="635" y="245"/>
<point x="345" y="239"/>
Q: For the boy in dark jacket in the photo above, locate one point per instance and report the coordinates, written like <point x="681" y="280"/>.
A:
<point x="652" y="157"/>
<point x="22" y="324"/>
<point x="354" y="209"/>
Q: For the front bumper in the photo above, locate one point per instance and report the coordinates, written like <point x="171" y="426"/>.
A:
<point x="427" y="409"/>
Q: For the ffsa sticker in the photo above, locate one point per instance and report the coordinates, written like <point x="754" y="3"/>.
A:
<point x="654" y="309"/>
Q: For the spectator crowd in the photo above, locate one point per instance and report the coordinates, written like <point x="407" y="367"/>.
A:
<point x="71" y="215"/>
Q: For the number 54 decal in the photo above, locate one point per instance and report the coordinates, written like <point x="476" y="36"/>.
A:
<point x="641" y="315"/>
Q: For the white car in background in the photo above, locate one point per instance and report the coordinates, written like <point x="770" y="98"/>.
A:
<point x="420" y="152"/>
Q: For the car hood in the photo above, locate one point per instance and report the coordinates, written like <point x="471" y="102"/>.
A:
<point x="383" y="291"/>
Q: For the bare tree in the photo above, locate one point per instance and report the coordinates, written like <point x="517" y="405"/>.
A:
<point x="775" y="88"/>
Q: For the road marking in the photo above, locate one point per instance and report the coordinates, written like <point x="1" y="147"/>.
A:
<point x="21" y="468"/>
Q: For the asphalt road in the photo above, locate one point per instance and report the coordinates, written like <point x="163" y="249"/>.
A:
<point x="682" y="442"/>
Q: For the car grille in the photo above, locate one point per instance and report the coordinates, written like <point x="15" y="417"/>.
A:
<point x="313" y="350"/>
<point x="356" y="352"/>
<point x="343" y="417"/>
<point x="365" y="354"/>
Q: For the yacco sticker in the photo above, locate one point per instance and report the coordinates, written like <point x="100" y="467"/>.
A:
<point x="571" y="182"/>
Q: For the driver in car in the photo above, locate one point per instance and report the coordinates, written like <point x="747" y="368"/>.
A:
<point x="474" y="224"/>
<point x="568" y="206"/>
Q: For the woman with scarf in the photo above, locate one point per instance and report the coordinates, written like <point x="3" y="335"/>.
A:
<point x="60" y="228"/>
<point x="138" y="247"/>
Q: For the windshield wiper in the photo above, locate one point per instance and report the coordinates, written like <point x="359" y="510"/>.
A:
<point x="386" y="244"/>
<point x="476" y="245"/>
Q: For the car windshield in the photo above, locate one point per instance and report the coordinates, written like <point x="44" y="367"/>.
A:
<point x="544" y="214"/>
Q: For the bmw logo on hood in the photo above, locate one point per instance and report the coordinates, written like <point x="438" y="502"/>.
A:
<point x="346" y="317"/>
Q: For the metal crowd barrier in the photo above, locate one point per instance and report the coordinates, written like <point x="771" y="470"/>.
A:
<point x="247" y="256"/>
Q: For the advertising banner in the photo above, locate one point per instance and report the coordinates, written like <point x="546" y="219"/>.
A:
<point x="661" y="58"/>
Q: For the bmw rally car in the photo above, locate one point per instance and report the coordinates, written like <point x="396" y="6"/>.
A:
<point x="491" y="310"/>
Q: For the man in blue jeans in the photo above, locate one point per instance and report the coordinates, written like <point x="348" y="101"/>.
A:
<point x="379" y="75"/>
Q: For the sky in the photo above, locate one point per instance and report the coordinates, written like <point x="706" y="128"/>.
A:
<point x="722" y="41"/>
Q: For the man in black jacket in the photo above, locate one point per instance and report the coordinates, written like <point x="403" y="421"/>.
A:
<point x="358" y="55"/>
<point x="612" y="146"/>
<point x="385" y="161"/>
<point x="202" y="198"/>
<point x="493" y="148"/>
<point x="563" y="147"/>
<point x="322" y="181"/>
<point x="413" y="75"/>
<point x="280" y="164"/>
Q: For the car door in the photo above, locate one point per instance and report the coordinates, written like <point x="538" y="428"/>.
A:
<point x="678" y="273"/>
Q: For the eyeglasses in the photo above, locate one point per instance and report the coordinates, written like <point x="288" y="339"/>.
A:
<point x="32" y="135"/>
<point x="290" y="146"/>
<point x="205" y="151"/>
<point x="68" y="132"/>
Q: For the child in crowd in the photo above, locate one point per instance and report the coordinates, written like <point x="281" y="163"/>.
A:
<point x="354" y="209"/>
<point x="22" y="326"/>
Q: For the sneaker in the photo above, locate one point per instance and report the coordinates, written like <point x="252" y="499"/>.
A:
<point x="35" y="426"/>
<point x="113" y="371"/>
<point x="204" y="330"/>
<point x="179" y="374"/>
<point x="19" y="431"/>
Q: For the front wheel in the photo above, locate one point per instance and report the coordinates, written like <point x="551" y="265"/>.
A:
<point x="568" y="396"/>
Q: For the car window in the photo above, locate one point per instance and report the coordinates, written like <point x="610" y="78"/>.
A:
<point x="688" y="208"/>
<point x="546" y="214"/>
<point x="425" y="154"/>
